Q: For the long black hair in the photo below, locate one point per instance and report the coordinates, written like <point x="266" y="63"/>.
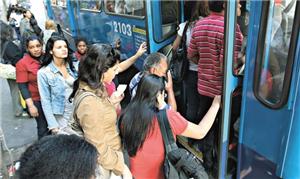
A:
<point x="137" y="118"/>
<point x="59" y="156"/>
<point x="49" y="47"/>
<point x="98" y="59"/>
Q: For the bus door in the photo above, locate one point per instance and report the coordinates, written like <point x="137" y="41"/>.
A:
<point x="269" y="137"/>
<point x="231" y="94"/>
<point x="61" y="11"/>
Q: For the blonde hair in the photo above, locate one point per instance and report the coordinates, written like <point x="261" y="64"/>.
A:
<point x="50" y="24"/>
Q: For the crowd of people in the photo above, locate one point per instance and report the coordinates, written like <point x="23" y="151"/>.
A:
<point x="51" y="77"/>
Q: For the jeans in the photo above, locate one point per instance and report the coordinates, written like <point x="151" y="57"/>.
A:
<point x="15" y="96"/>
<point x="42" y="126"/>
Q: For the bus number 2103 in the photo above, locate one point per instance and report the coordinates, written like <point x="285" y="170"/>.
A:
<point x="123" y="28"/>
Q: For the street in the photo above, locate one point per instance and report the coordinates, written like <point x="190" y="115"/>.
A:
<point x="18" y="132"/>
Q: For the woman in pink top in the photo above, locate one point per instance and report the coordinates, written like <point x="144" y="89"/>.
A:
<point x="141" y="133"/>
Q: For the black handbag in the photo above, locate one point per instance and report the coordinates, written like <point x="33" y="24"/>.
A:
<point x="179" y="163"/>
<point x="179" y="64"/>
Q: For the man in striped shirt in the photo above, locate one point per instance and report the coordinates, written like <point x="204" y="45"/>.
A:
<point x="207" y="47"/>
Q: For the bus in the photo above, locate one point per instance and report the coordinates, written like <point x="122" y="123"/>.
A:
<point x="268" y="139"/>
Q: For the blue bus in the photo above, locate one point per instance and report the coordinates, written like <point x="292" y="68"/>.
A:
<point x="110" y="21"/>
<point x="267" y="129"/>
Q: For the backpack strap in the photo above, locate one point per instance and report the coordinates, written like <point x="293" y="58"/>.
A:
<point x="166" y="131"/>
<point x="183" y="38"/>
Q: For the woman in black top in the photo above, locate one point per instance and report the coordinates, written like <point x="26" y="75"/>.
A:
<point x="11" y="55"/>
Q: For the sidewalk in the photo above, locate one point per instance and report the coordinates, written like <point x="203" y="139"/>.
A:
<point x="19" y="133"/>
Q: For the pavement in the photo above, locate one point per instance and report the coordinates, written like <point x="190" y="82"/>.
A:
<point x="18" y="132"/>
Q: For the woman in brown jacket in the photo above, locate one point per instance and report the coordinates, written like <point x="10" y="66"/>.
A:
<point x="96" y="112"/>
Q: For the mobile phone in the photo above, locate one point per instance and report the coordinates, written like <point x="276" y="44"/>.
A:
<point x="121" y="89"/>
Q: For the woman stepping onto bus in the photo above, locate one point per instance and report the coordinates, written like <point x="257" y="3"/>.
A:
<point x="140" y="129"/>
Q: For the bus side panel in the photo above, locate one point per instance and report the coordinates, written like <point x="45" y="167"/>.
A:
<point x="106" y="28"/>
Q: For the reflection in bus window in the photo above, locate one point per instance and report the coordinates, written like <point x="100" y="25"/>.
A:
<point x="61" y="2"/>
<point x="275" y="57"/>
<point x="54" y="2"/>
<point x="90" y="5"/>
<point x="128" y="7"/>
<point x="169" y="14"/>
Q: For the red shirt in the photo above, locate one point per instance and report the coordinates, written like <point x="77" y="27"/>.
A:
<point x="207" y="41"/>
<point x="26" y="72"/>
<point x="148" y="162"/>
<point x="78" y="55"/>
<point x="110" y="88"/>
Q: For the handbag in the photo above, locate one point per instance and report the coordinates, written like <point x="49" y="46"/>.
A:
<point x="7" y="71"/>
<point x="179" y="163"/>
<point x="179" y="64"/>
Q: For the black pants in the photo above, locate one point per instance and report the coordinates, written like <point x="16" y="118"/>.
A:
<point x="209" y="142"/>
<point x="42" y="126"/>
<point x="192" y="100"/>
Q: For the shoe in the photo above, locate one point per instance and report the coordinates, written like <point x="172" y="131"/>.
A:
<point x="25" y="114"/>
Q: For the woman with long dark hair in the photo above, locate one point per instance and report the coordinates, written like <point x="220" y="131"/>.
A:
<point x="26" y="72"/>
<point x="55" y="83"/>
<point x="96" y="111"/>
<point x="140" y="129"/>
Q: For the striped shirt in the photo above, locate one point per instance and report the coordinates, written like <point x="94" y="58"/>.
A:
<point x="207" y="43"/>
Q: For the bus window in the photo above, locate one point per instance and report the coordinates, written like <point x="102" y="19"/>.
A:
<point x="62" y="15"/>
<point x="272" y="68"/>
<point x="169" y="19"/>
<point x="126" y="7"/>
<point x="90" y="5"/>
<point x="54" y="2"/>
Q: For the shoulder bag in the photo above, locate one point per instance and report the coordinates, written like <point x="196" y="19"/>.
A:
<point x="179" y="64"/>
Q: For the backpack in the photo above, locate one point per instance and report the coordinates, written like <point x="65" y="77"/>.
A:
<point x="179" y="64"/>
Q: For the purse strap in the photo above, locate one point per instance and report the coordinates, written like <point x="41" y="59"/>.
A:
<point x="183" y="39"/>
<point x="166" y="131"/>
<point x="77" y="102"/>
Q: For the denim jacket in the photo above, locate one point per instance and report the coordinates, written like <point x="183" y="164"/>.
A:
<point x="52" y="91"/>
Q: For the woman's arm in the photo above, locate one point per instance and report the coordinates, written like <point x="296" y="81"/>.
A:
<point x="127" y="63"/>
<point x="199" y="131"/>
<point x="176" y="43"/>
<point x="29" y="103"/>
<point x="45" y="93"/>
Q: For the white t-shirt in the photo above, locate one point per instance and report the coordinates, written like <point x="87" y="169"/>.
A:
<point x="192" y="66"/>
